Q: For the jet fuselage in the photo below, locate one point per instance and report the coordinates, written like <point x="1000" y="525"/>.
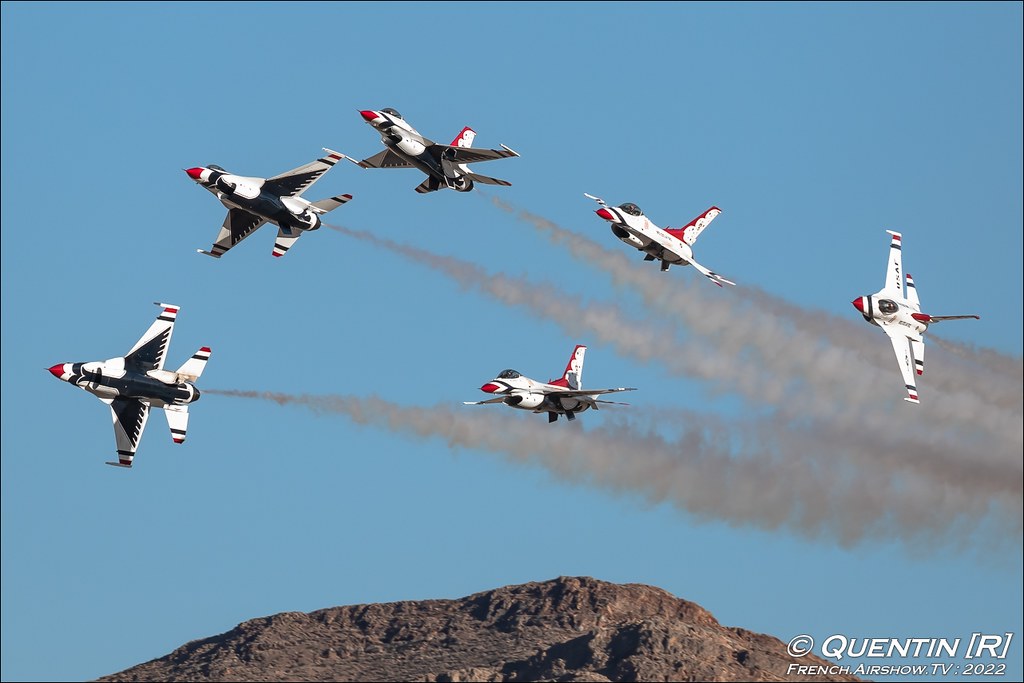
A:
<point x="639" y="232"/>
<point x="109" y="380"/>
<point x="410" y="145"/>
<point x="883" y="310"/>
<point x="257" y="196"/>
<point x="527" y="394"/>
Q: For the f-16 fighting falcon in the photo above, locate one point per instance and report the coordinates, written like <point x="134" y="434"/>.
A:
<point x="137" y="381"/>
<point x="900" y="317"/>
<point x="251" y="202"/>
<point x="673" y="246"/>
<point x="563" y="396"/>
<point x="445" y="165"/>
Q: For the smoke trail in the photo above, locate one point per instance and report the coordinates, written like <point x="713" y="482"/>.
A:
<point x="945" y="441"/>
<point x="797" y="344"/>
<point x="702" y="474"/>
<point x="704" y="312"/>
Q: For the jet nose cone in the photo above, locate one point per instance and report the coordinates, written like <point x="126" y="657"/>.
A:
<point x="57" y="370"/>
<point x="858" y="303"/>
<point x="490" y="387"/>
<point x="369" y="114"/>
<point x="194" y="173"/>
<point x="605" y="214"/>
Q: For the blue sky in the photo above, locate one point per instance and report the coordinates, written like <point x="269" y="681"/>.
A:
<point x="814" y="128"/>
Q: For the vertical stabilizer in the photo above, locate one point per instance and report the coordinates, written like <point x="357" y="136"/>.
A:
<point x="464" y="138"/>
<point x="572" y="378"/>
<point x="692" y="230"/>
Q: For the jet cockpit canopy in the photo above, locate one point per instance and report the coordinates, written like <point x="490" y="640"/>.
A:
<point x="392" y="112"/>
<point x="632" y="209"/>
<point x="509" y="374"/>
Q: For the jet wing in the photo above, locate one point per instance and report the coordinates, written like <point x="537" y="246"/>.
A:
<point x="567" y="393"/>
<point x="894" y="272"/>
<point x="151" y="349"/>
<point x="469" y="155"/>
<point x="905" y="357"/>
<point x="500" y="399"/>
<point x="130" y="417"/>
<point x="237" y="226"/>
<point x="296" y="181"/>
<point x="711" y="275"/>
<point x="385" y="159"/>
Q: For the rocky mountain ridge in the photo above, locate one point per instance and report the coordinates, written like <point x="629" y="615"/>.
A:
<point x="566" y="629"/>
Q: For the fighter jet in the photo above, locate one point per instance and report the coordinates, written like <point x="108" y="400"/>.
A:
<point x="251" y="202"/>
<point x="134" y="383"/>
<point x="899" y="315"/>
<point x="673" y="246"/>
<point x="563" y="396"/>
<point x="445" y="165"/>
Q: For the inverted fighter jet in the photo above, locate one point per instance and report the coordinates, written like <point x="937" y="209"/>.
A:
<point x="445" y="165"/>
<point x="672" y="246"/>
<point x="251" y="202"/>
<point x="563" y="396"/>
<point x="900" y="317"/>
<point x="134" y="383"/>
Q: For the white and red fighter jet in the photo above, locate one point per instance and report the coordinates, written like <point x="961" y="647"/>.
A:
<point x="563" y="396"/>
<point x="900" y="317"/>
<point x="672" y="246"/>
<point x="251" y="202"/>
<point x="445" y="165"/>
<point x="134" y="383"/>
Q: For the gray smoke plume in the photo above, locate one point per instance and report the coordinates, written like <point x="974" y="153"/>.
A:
<point x="814" y="348"/>
<point x="933" y="441"/>
<point x="742" y="473"/>
<point x="740" y="316"/>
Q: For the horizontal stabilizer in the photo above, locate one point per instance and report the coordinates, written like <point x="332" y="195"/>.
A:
<point x="325" y="205"/>
<point x="487" y="180"/>
<point x="177" y="420"/>
<point x="126" y="465"/>
<point x="193" y="368"/>
<point x="431" y="184"/>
